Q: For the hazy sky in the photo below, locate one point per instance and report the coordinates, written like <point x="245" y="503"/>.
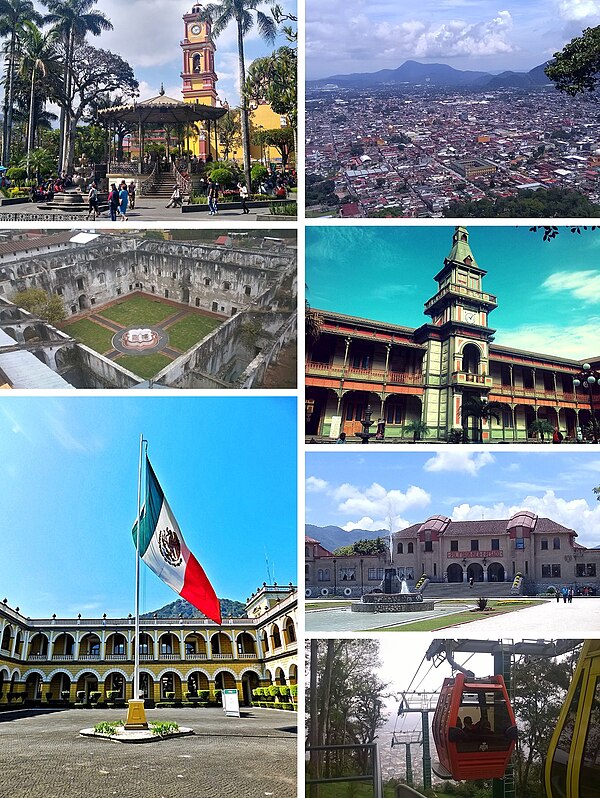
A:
<point x="354" y="490"/>
<point x="147" y="34"/>
<point x="345" y="36"/>
<point x="548" y="292"/>
<point x="68" y="477"/>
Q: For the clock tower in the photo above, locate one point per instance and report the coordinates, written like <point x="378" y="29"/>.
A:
<point x="199" y="76"/>
<point x="457" y="338"/>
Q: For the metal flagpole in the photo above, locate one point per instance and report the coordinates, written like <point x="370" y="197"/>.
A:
<point x="136" y="654"/>
<point x="136" y="717"/>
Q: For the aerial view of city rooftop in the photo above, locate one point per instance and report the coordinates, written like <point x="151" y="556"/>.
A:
<point x="457" y="110"/>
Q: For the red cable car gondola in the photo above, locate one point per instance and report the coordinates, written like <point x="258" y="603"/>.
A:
<point x="474" y="728"/>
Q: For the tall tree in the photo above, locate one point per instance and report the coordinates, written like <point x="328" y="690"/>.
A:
<point x="73" y="19"/>
<point x="481" y="410"/>
<point x="38" y="56"/>
<point x="245" y="14"/>
<point x="273" y="80"/>
<point x="13" y="13"/>
<point x="282" y="139"/>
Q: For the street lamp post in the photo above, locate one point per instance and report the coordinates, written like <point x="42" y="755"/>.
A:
<point x="587" y="378"/>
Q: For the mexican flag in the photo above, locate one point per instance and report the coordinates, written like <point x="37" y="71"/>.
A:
<point x="163" y="549"/>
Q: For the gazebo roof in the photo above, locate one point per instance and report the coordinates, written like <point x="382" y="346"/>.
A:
<point x="163" y="110"/>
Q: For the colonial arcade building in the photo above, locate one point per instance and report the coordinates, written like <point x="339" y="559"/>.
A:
<point x="406" y="375"/>
<point x="51" y="660"/>
<point x="543" y="551"/>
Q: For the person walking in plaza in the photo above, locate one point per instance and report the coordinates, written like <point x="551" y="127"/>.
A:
<point x="93" y="202"/>
<point x="132" y="195"/>
<point x="571" y="592"/>
<point x="243" y="197"/>
<point x="113" y="202"/>
<point x="558" y="596"/>
<point x="212" y="192"/>
<point x="123" y="201"/>
<point x="565" y="594"/>
<point x="557" y="436"/>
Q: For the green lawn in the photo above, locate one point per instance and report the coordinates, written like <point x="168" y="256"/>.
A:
<point x="188" y="331"/>
<point x="434" y="624"/>
<point x="90" y="334"/>
<point x="145" y="366"/>
<point x="138" y="310"/>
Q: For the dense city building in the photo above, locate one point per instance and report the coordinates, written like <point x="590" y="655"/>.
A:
<point x="543" y="551"/>
<point x="434" y="373"/>
<point x="397" y="151"/>
<point x="51" y="660"/>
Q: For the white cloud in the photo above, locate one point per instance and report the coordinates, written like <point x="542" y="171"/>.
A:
<point x="376" y="505"/>
<point x="583" y="285"/>
<point x="577" y="340"/>
<point x="316" y="485"/>
<point x="459" y="460"/>
<point x="578" y="10"/>
<point x="577" y="514"/>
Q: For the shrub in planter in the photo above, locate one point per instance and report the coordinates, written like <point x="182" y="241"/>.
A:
<point x="191" y="697"/>
<point x="111" y="695"/>
<point x="65" y="695"/>
<point x="170" y="696"/>
<point x="16" y="174"/>
<point x="204" y="695"/>
<point x="285" y="705"/>
<point x="294" y="692"/>
<point x="272" y="690"/>
<point x="258" y="692"/>
<point x="284" y="690"/>
<point x="218" y="697"/>
<point x="258" y="173"/>
<point x="95" y="697"/>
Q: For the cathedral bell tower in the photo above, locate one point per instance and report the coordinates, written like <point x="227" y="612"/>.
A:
<point x="199" y="76"/>
<point x="457" y="338"/>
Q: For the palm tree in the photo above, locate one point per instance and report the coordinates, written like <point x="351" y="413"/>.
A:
<point x="13" y="14"/>
<point x="480" y="409"/>
<point x="41" y="161"/>
<point x="73" y="19"/>
<point x="418" y="428"/>
<point x="37" y="56"/>
<point x="541" y="427"/>
<point x="244" y="13"/>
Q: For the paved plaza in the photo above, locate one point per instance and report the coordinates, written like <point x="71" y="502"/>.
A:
<point x="252" y="756"/>
<point x="550" y="619"/>
<point x="146" y="210"/>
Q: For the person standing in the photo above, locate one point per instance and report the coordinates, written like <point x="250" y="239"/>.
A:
<point x="93" y="202"/>
<point x="557" y="436"/>
<point x="243" y="197"/>
<point x="123" y="201"/>
<point x="113" y="202"/>
<point x="132" y="195"/>
<point x="212" y="193"/>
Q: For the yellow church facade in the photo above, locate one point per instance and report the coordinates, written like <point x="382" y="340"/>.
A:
<point x="199" y="86"/>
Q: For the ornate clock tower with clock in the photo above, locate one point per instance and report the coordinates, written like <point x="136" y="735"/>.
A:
<point x="199" y="76"/>
<point x="457" y="338"/>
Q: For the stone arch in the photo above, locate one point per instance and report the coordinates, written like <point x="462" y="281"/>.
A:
<point x="170" y="682"/>
<point x="30" y="334"/>
<point x="496" y="572"/>
<point x="265" y="641"/>
<point x="225" y="679"/>
<point x="9" y="331"/>
<point x="146" y="685"/>
<point x="147" y="644"/>
<point x="58" y="671"/>
<point x="471" y="358"/>
<point x="276" y="636"/>
<point x="85" y="671"/>
<point x="33" y="685"/>
<point x="268" y="676"/>
<point x="88" y="681"/>
<point x="293" y="673"/>
<point x="32" y="671"/>
<point x="246" y="643"/>
<point x="38" y="645"/>
<point x="116" y="645"/>
<point x="169" y="643"/>
<point x="116" y="679"/>
<point x="83" y="302"/>
<point x="4" y="677"/>
<point x="250" y="681"/>
<point x="475" y="572"/>
<point x="41" y="355"/>
<point x="280" y="676"/>
<point x="289" y="630"/>
<point x="202" y="671"/>
<point x="220" y="644"/>
<point x="454" y="573"/>
<point x="63" y="645"/>
<point x="59" y="681"/>
<point x="7" y="636"/>
<point x="89" y="645"/>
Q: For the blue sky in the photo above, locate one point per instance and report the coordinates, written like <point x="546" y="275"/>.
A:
<point x="357" y="491"/>
<point x="68" y="470"/>
<point x="346" y="36"/>
<point x="548" y="292"/>
<point x="147" y="35"/>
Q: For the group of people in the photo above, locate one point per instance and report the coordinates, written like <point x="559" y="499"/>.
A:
<point x="46" y="190"/>
<point x="566" y="593"/>
<point x="481" y="727"/>
<point x="120" y="199"/>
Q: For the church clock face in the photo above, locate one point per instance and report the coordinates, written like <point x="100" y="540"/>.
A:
<point x="470" y="316"/>
<point x="195" y="29"/>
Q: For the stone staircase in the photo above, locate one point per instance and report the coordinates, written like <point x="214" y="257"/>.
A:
<point x="163" y="188"/>
<point x="440" y="590"/>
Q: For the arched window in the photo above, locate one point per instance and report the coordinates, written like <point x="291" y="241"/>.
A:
<point x="410" y="549"/>
<point x="399" y="549"/>
<point x="556" y="543"/>
<point x="101" y="278"/>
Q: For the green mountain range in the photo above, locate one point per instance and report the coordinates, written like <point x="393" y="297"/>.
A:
<point x="181" y="607"/>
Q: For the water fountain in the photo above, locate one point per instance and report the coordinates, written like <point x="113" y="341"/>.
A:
<point x="394" y="595"/>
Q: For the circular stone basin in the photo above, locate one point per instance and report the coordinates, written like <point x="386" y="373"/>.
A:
<point x="136" y="735"/>
<point x="140" y="340"/>
<point x="392" y="602"/>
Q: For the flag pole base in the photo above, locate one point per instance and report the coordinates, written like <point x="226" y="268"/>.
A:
<point x="136" y="714"/>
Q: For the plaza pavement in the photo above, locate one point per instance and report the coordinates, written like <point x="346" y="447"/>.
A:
<point x="248" y="757"/>
<point x="146" y="210"/>
<point x="550" y="620"/>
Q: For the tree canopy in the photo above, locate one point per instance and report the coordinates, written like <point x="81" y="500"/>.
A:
<point x="48" y="307"/>
<point x="378" y="546"/>
<point x="576" y="68"/>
